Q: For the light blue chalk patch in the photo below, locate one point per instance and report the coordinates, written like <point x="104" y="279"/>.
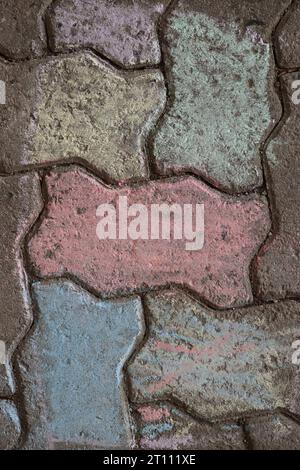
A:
<point x="152" y="431"/>
<point x="75" y="359"/>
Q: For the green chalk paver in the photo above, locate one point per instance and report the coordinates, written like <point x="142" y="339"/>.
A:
<point x="219" y="79"/>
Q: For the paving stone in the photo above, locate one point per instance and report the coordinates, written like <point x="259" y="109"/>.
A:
<point x="22" y="32"/>
<point x="79" y="107"/>
<point x="288" y="38"/>
<point x="220" y="71"/>
<point x="278" y="263"/>
<point x="163" y="426"/>
<point x="20" y="205"/>
<point x="67" y="243"/>
<point x="9" y="425"/>
<point x="218" y="364"/>
<point x="274" y="432"/>
<point x="124" y="31"/>
<point x="71" y="368"/>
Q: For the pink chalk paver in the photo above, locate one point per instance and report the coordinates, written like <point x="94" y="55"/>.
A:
<point x="150" y="414"/>
<point x="66" y="241"/>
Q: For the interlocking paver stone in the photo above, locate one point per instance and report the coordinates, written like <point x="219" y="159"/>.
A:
<point x="67" y="242"/>
<point x="71" y="368"/>
<point x="288" y="38"/>
<point x="79" y="107"/>
<point x="275" y="432"/>
<point x="278" y="263"/>
<point x="217" y="364"/>
<point x="22" y="32"/>
<point x="220" y="69"/>
<point x="20" y="205"/>
<point x="163" y="426"/>
<point x="9" y="425"/>
<point x="117" y="103"/>
<point x="124" y="31"/>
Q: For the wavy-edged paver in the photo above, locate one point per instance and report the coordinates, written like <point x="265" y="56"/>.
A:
<point x="71" y="367"/>
<point x="20" y="205"/>
<point x="288" y="38"/>
<point x="124" y="31"/>
<point x="164" y="426"/>
<point x="79" y="107"/>
<point x="66" y="241"/>
<point x="22" y="31"/>
<point x="10" y="428"/>
<point x="273" y="432"/>
<point x="217" y="364"/>
<point x="220" y="71"/>
<point x="277" y="268"/>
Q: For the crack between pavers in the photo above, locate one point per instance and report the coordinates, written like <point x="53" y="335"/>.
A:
<point x="68" y="52"/>
<point x="139" y="345"/>
<point x="239" y="419"/>
<point x="152" y="165"/>
<point x="18" y="396"/>
<point x="113" y="62"/>
<point x="285" y="71"/>
<point x="292" y="416"/>
<point x="267" y="181"/>
<point x="249" y="445"/>
<point x="20" y="386"/>
<point x="107" y="179"/>
<point x="173" y="403"/>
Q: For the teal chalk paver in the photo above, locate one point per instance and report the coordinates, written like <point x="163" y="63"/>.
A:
<point x="71" y="366"/>
<point x="220" y="77"/>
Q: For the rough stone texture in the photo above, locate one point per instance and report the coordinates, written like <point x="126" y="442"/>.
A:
<point x="217" y="364"/>
<point x="220" y="71"/>
<point x="22" y="32"/>
<point x="76" y="87"/>
<point x="10" y="428"/>
<point x="278" y="264"/>
<point x="124" y="31"/>
<point x="67" y="242"/>
<point x="79" y="107"/>
<point x="20" y="205"/>
<point x="71" y="368"/>
<point x="288" y="38"/>
<point x="162" y="426"/>
<point x="274" y="433"/>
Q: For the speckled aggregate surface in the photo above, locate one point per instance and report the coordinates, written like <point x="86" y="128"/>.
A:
<point x="143" y="341"/>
